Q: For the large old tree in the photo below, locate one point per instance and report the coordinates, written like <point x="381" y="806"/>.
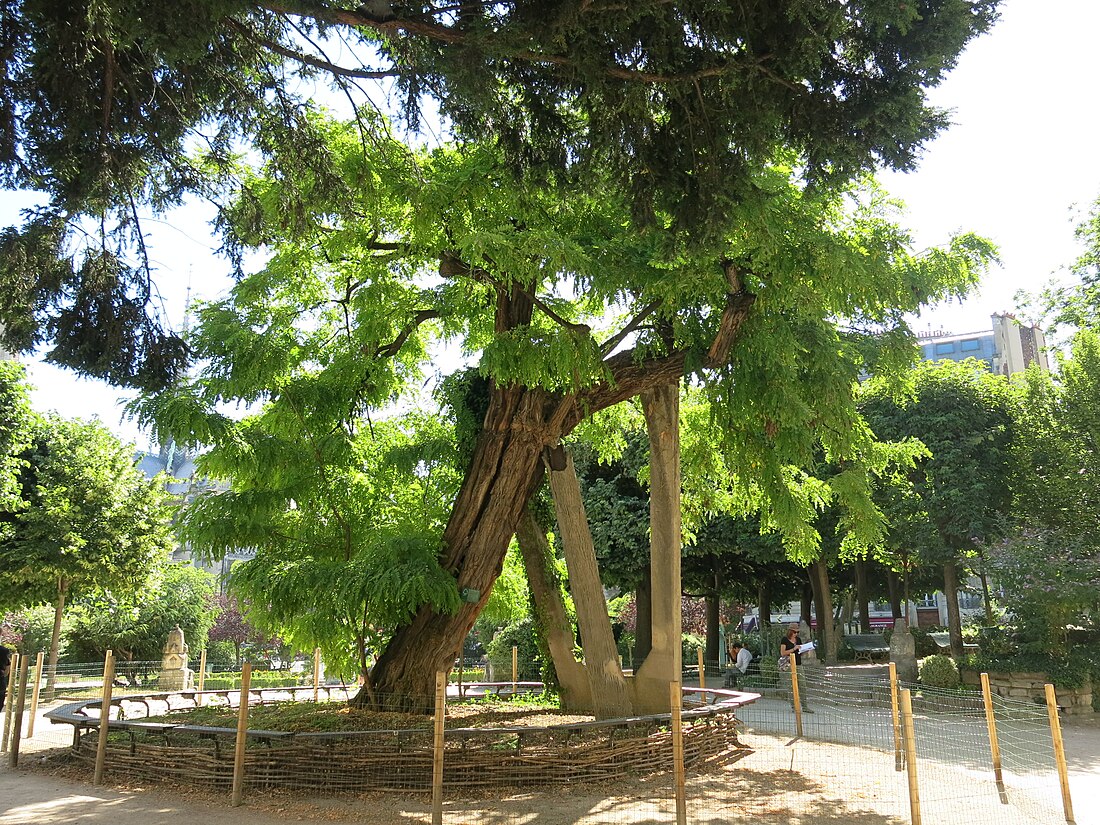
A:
<point x="634" y="220"/>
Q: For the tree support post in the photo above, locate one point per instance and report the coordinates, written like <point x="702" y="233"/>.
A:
<point x="676" y="701"/>
<point x="9" y="701"/>
<point x="1059" y="751"/>
<point x="899" y="759"/>
<point x="17" y="720"/>
<point x="515" y="669"/>
<point x="910" y="756"/>
<point x="702" y="671"/>
<point x="104" y="718"/>
<point x="35" y="693"/>
<point x="242" y="737"/>
<point x="437" y="747"/>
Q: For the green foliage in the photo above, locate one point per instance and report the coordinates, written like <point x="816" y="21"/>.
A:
<point x="102" y="105"/>
<point x="520" y="635"/>
<point x="135" y="624"/>
<point x="88" y="520"/>
<point x="15" y="432"/>
<point x="221" y="656"/>
<point x="34" y="628"/>
<point x="225" y="680"/>
<point x="939" y="671"/>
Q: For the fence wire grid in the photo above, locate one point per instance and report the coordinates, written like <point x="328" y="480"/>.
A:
<point x="509" y="760"/>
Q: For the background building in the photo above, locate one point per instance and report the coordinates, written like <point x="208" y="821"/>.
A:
<point x="1008" y="347"/>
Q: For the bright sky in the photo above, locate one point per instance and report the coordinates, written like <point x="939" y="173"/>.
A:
<point x="1019" y="166"/>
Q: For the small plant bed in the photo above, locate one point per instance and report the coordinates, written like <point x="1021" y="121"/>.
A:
<point x="490" y="742"/>
<point x="308" y="717"/>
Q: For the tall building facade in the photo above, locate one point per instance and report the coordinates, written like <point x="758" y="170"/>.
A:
<point x="1007" y="347"/>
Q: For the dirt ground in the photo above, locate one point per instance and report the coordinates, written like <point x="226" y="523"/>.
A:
<point x="775" y="781"/>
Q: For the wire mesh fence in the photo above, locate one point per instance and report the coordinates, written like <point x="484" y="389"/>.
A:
<point x="506" y="755"/>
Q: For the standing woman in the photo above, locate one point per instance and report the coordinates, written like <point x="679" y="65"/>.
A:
<point x="788" y="646"/>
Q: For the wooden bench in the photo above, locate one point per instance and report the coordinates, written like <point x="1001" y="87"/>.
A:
<point x="943" y="641"/>
<point x="867" y="645"/>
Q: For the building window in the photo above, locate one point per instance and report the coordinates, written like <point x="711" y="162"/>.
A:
<point x="945" y="348"/>
<point x="970" y="601"/>
<point x="927" y="600"/>
<point x="970" y="345"/>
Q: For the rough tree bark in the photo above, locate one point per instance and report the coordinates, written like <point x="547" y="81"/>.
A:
<point x="601" y="657"/>
<point x="764" y="599"/>
<point x="553" y="619"/>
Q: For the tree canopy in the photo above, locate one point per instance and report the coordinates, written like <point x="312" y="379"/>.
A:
<point x="109" y="108"/>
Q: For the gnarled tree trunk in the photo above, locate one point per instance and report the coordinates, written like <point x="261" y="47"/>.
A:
<point x="504" y="472"/>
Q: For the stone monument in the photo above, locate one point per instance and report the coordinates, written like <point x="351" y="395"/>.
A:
<point x="903" y="651"/>
<point x="174" y="673"/>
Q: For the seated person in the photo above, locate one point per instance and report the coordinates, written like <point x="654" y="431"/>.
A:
<point x="741" y="656"/>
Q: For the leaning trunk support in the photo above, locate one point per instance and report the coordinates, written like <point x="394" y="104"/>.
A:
<point x="663" y="665"/>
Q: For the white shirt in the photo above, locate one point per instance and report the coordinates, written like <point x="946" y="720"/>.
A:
<point x="744" y="656"/>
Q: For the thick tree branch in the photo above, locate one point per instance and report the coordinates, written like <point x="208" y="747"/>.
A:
<point x="391" y="349"/>
<point x="308" y="59"/>
<point x="441" y="33"/>
<point x="635" y="324"/>
<point x="630" y="375"/>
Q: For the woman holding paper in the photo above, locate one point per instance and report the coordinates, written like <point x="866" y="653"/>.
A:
<point x="791" y="645"/>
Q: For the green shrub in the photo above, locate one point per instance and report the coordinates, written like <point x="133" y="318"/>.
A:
<point x="521" y="635"/>
<point x="939" y="671"/>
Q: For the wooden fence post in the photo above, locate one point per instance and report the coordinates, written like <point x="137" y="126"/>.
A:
<point x="991" y="726"/>
<point x="104" y="717"/>
<point x="676" y="701"/>
<point x="515" y="669"/>
<point x="702" y="670"/>
<point x="1059" y="750"/>
<point x="796" y="700"/>
<point x="437" y="747"/>
<point x="242" y="737"/>
<point x="202" y="677"/>
<point x="899" y="760"/>
<point x="9" y="701"/>
<point x="17" y="720"/>
<point x="35" y="694"/>
<point x="911" y="756"/>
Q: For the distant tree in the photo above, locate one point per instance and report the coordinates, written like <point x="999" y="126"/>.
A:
<point x="960" y="495"/>
<point x="232" y="625"/>
<point x="135" y="624"/>
<point x="87" y="521"/>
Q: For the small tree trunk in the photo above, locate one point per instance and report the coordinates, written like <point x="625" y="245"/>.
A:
<point x="55" y="639"/>
<point x="552" y="617"/>
<point x="862" y="599"/>
<point x="894" y="588"/>
<point x="643" y="632"/>
<point x="954" y="618"/>
<point x="825" y="622"/>
<point x="764" y="599"/>
<point x="807" y="603"/>
<point x="601" y="656"/>
<point x="710" y="652"/>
